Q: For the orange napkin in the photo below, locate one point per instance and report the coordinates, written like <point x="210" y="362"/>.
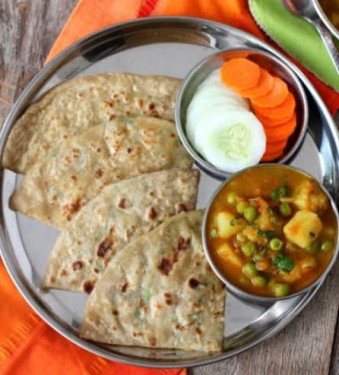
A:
<point x="91" y="15"/>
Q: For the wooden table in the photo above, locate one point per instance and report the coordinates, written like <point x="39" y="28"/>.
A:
<point x="310" y="344"/>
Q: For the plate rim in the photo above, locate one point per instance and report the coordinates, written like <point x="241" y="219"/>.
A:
<point x="19" y="280"/>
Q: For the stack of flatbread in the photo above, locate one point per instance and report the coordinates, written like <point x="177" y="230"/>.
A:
<point x="103" y="163"/>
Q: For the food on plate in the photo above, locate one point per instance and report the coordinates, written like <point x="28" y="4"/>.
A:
<point x="81" y="103"/>
<point x="119" y="213"/>
<point x="57" y="186"/>
<point x="240" y="115"/>
<point x="221" y="127"/>
<point x="271" y="101"/>
<point x="159" y="292"/>
<point x="271" y="231"/>
<point x="240" y="74"/>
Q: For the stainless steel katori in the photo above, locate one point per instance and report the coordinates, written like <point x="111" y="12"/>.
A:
<point x="168" y="46"/>
<point x="199" y="73"/>
<point x="232" y="288"/>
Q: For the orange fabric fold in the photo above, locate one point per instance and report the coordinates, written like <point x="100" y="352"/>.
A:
<point x="91" y="15"/>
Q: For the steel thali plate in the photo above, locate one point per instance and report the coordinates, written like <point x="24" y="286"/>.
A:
<point x="167" y="46"/>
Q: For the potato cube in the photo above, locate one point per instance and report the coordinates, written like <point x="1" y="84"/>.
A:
<point x="309" y="197"/>
<point x="303" y="228"/>
<point x="227" y="253"/>
<point x="227" y="225"/>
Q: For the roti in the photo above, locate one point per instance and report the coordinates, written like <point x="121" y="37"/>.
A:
<point x="159" y="291"/>
<point x="122" y="211"/>
<point x="81" y="103"/>
<point x="57" y="186"/>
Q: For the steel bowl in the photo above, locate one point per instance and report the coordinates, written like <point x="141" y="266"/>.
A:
<point x="323" y="16"/>
<point x="253" y="298"/>
<point x="266" y="60"/>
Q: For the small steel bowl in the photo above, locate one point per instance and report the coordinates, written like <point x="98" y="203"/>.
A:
<point x="275" y="66"/>
<point x="323" y="16"/>
<point x="253" y="298"/>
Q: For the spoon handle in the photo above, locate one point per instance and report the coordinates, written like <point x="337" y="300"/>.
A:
<point x="328" y="41"/>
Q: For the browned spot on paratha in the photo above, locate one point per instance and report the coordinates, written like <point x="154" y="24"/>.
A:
<point x="168" y="298"/>
<point x="104" y="246"/>
<point x="99" y="173"/>
<point x="165" y="266"/>
<point x="152" y="214"/>
<point x="193" y="283"/>
<point x="124" y="287"/>
<point x="88" y="286"/>
<point x="183" y="243"/>
<point x="122" y="203"/>
<point x="153" y="341"/>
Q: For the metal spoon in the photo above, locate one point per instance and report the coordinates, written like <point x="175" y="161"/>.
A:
<point x="306" y="10"/>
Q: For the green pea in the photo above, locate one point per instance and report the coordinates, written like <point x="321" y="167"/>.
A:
<point x="276" y="244"/>
<point x="259" y="280"/>
<point x="231" y="198"/>
<point x="285" y="209"/>
<point x="326" y="246"/>
<point x="313" y="247"/>
<point x="283" y="191"/>
<point x="257" y="257"/>
<point x="271" y="283"/>
<point x="249" y="270"/>
<point x="280" y="290"/>
<point x="214" y="233"/>
<point x="240" y="207"/>
<point x="249" y="248"/>
<point x="274" y="195"/>
<point x="250" y="213"/>
<point x="329" y="232"/>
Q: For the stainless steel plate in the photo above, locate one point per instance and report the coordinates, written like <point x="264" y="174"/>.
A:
<point x="169" y="46"/>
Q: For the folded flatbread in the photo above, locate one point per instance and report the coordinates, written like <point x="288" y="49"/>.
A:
<point x="159" y="292"/>
<point x="60" y="184"/>
<point x="81" y="103"/>
<point x="104" y="226"/>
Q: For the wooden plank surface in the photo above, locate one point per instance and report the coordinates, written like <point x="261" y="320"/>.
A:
<point x="308" y="345"/>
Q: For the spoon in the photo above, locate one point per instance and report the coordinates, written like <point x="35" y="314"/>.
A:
<point x="306" y="10"/>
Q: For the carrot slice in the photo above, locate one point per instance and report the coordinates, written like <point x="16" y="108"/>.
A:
<point x="263" y="87"/>
<point x="272" y="147"/>
<point x="275" y="97"/>
<point x="284" y="130"/>
<point x="240" y="74"/>
<point x="281" y="111"/>
<point x="268" y="122"/>
<point x="270" y="157"/>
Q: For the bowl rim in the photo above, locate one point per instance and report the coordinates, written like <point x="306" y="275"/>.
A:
<point x="240" y="293"/>
<point x="180" y="127"/>
<point x="323" y="16"/>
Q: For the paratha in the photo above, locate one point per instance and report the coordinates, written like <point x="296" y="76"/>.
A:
<point x="80" y="103"/>
<point x="159" y="291"/>
<point x="57" y="186"/>
<point x="120" y="212"/>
